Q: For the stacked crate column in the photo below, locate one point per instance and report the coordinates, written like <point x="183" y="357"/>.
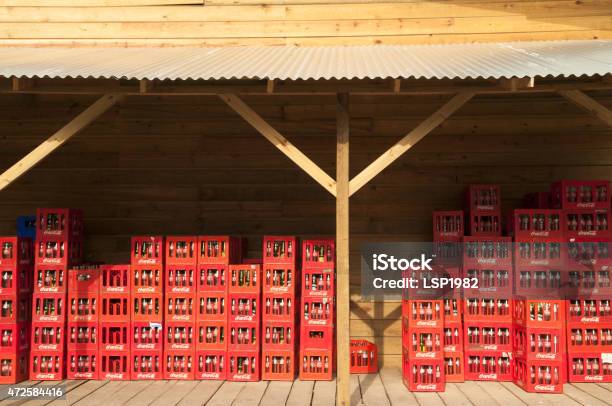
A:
<point x="484" y="210"/>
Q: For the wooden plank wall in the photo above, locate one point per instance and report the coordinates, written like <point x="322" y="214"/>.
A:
<point x="300" y="22"/>
<point x="189" y="165"/>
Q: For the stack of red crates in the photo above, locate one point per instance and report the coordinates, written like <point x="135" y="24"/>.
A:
<point x="281" y="288"/>
<point x="215" y="254"/>
<point x="539" y="344"/>
<point x="180" y="307"/>
<point x="317" y="320"/>
<point x="16" y="262"/>
<point x="59" y="246"/>
<point x="147" y="308"/>
<point x="484" y="210"/>
<point x="116" y="334"/>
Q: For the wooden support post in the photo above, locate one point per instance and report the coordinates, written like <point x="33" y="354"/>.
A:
<point x="414" y="136"/>
<point x="343" y="395"/>
<point x="270" y="86"/>
<point x="145" y="86"/>
<point x="589" y="104"/>
<point x="515" y="84"/>
<point x="280" y="142"/>
<point x="21" y="84"/>
<point x="58" y="139"/>
<point x="397" y="86"/>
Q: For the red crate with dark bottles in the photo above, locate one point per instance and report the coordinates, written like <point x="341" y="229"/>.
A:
<point x="211" y="335"/>
<point x="82" y="280"/>
<point x="447" y="253"/>
<point x="486" y="252"/>
<point x="59" y="224"/>
<point x="541" y="376"/>
<point x="448" y="226"/>
<point x="50" y="279"/>
<point x="281" y="306"/>
<point x="181" y="279"/>
<point x="454" y="367"/>
<point x="316" y="364"/>
<point x="212" y="306"/>
<point x="245" y="278"/>
<point x="115" y="279"/>
<point x="280" y="250"/>
<point x="45" y="307"/>
<point x="114" y="366"/>
<point x="316" y="311"/>
<point x="487" y="336"/>
<point x="180" y="307"/>
<point x="539" y="254"/>
<point x="589" y="338"/>
<point x="588" y="254"/>
<point x="244" y="336"/>
<point x="543" y="282"/>
<point x="278" y="365"/>
<point x="423" y="313"/>
<point x="536" y="225"/>
<point x="14" y="337"/>
<point x="537" y="200"/>
<point x="589" y="367"/>
<point x="423" y="375"/>
<point x="587" y="283"/>
<point x="179" y="364"/>
<point x="283" y="335"/>
<point x="82" y="364"/>
<point x="281" y="278"/>
<point x="243" y="366"/>
<point x="244" y="307"/>
<point x="16" y="279"/>
<point x="82" y="336"/>
<point x="115" y="336"/>
<point x="48" y="337"/>
<point x="538" y="312"/>
<point x="179" y="336"/>
<point x="484" y="224"/>
<point x="47" y="366"/>
<point x="219" y="249"/>
<point x="423" y="342"/>
<point x="576" y="194"/>
<point x="16" y="252"/>
<point x="146" y="307"/>
<point x="318" y="253"/>
<point x="539" y="343"/>
<point x="588" y="311"/>
<point x="586" y="223"/>
<point x="146" y="365"/>
<point x="453" y="336"/>
<point x="364" y="357"/>
<point x="488" y="366"/>
<point x="318" y="282"/>
<point x="487" y="309"/>
<point x="83" y="307"/>
<point x="493" y="282"/>
<point x="146" y="336"/>
<point x="182" y="250"/>
<point x="212" y="277"/>
<point x="13" y="368"/>
<point x="482" y="198"/>
<point x="58" y="252"/>
<point x="147" y="279"/>
<point x="147" y="251"/>
<point x="211" y="364"/>
<point x="317" y="337"/>
<point x="115" y="307"/>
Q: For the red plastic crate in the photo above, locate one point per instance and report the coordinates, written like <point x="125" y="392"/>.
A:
<point x="319" y="253"/>
<point x="539" y="254"/>
<point x="212" y="306"/>
<point x="211" y="364"/>
<point x="589" y="338"/>
<point x="487" y="309"/>
<point x="48" y="337"/>
<point x="453" y="310"/>
<point x="484" y="224"/>
<point x="448" y="226"/>
<point x="536" y="225"/>
<point x="45" y="307"/>
<point x="589" y="311"/>
<point x="243" y="366"/>
<point x="179" y="365"/>
<point x="180" y="307"/>
<point x="280" y="249"/>
<point x="13" y="368"/>
<point x="487" y="252"/>
<point x="316" y="311"/>
<point x="316" y="337"/>
<point x="147" y="279"/>
<point x="423" y="342"/>
<point x="282" y="335"/>
<point x="539" y="313"/>
<point x="454" y="367"/>
<point x="115" y="279"/>
<point x="586" y="223"/>
<point x="50" y="279"/>
<point x="212" y="277"/>
<point x="82" y="336"/>
<point x="179" y="336"/>
<point x="541" y="282"/>
<point x="541" y="376"/>
<point x="82" y="364"/>
<point x="182" y="250"/>
<point x="278" y="365"/>
<point x="244" y="336"/>
<point x="115" y="307"/>
<point x="114" y="366"/>
<point x="318" y="282"/>
<point x="16" y="279"/>
<point x="453" y="337"/>
<point x="14" y="337"/>
<point x="115" y="336"/>
<point x="589" y="367"/>
<point x="79" y="280"/>
<point x="58" y="253"/>
<point x="534" y="343"/>
<point x="364" y="357"/>
<point x="423" y="313"/>
<point x="180" y="279"/>
<point x="45" y="366"/>
<point x="16" y="251"/>
<point x="281" y="278"/>
<point x="575" y="194"/>
<point x="146" y="365"/>
<point x="494" y="282"/>
<point x="244" y="307"/>
<point x="147" y="307"/>
<point x="487" y="336"/>
<point x="61" y="224"/>
<point x="537" y="200"/>
<point x="83" y="307"/>
<point x="219" y="249"/>
<point x="483" y="198"/>
<point x="316" y="364"/>
<point x="589" y="254"/>
<point x="585" y="283"/>
<point x="146" y="336"/>
<point x="488" y="366"/>
<point x="211" y="335"/>
<point x="423" y="375"/>
<point x="245" y="278"/>
<point x="147" y="251"/>
<point x="281" y="306"/>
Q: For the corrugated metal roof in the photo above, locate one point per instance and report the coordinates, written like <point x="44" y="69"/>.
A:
<point x="492" y="60"/>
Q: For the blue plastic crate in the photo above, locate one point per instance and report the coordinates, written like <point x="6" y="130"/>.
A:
<point x="26" y="227"/>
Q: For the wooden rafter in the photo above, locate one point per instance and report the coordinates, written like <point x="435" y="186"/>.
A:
<point x="414" y="136"/>
<point x="280" y="142"/>
<point x="58" y="139"/>
<point x="589" y="104"/>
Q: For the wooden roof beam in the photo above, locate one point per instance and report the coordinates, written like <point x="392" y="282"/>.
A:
<point x="58" y="139"/>
<point x="280" y="142"/>
<point x="589" y="104"/>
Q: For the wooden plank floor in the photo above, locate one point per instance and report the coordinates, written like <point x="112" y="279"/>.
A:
<point x="383" y="389"/>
